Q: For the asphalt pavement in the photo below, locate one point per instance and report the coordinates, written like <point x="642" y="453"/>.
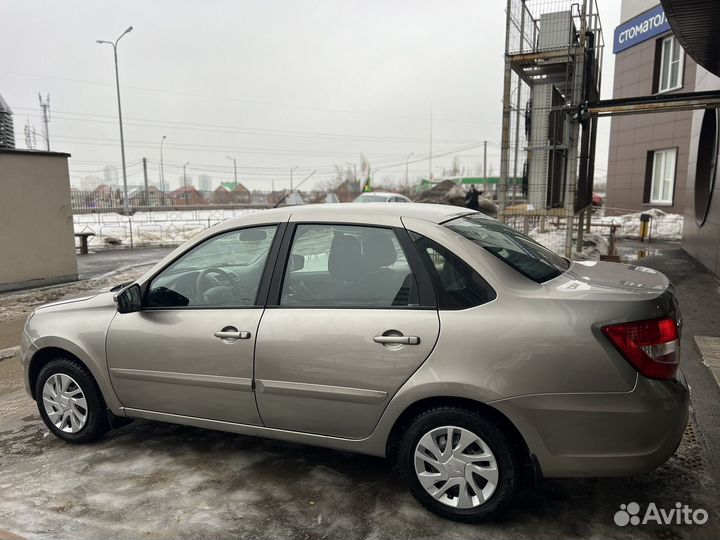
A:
<point x="101" y="262"/>
<point x="698" y="293"/>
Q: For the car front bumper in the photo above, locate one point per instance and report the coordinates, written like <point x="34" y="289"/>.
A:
<point x="603" y="434"/>
<point x="27" y="349"/>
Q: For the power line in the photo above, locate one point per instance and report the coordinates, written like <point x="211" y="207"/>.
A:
<point x="242" y="100"/>
<point x="102" y="141"/>
<point x="217" y="128"/>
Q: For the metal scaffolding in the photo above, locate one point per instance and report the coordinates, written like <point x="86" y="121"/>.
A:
<point x="553" y="59"/>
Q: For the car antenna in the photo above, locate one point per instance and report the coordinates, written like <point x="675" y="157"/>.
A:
<point x="289" y="192"/>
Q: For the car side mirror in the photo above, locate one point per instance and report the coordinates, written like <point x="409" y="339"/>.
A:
<point x="297" y="262"/>
<point x="129" y="300"/>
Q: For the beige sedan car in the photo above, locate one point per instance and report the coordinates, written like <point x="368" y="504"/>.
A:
<point x="429" y="334"/>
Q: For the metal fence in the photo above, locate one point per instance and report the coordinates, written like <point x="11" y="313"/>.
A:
<point x="159" y="219"/>
<point x="88" y="202"/>
<point x="147" y="228"/>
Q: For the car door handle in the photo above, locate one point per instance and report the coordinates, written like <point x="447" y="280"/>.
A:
<point x="232" y="334"/>
<point x="400" y="340"/>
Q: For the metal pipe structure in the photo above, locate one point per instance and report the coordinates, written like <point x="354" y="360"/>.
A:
<point x="507" y="110"/>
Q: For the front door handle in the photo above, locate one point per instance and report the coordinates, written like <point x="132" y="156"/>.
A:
<point x="230" y="334"/>
<point x="397" y="340"/>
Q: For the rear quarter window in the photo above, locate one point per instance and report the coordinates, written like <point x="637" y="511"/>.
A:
<point x="518" y="251"/>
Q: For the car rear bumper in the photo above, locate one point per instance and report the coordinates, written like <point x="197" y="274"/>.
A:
<point x="602" y="434"/>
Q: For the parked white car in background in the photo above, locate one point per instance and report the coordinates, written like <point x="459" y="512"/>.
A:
<point x="382" y="196"/>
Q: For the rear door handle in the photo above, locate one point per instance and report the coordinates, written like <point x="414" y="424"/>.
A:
<point x="230" y="333"/>
<point x="400" y="340"/>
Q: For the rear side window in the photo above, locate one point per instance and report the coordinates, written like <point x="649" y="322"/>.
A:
<point x="458" y="286"/>
<point x="347" y="266"/>
<point x="513" y="248"/>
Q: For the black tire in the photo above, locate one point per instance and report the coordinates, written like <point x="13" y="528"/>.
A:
<point x="496" y="441"/>
<point x="96" y="424"/>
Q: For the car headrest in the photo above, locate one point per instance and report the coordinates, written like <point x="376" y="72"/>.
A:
<point x="379" y="250"/>
<point x="345" y="261"/>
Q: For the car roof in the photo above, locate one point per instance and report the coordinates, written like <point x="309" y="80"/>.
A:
<point x="436" y="213"/>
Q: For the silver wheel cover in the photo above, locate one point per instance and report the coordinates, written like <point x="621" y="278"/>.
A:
<point x="456" y="467"/>
<point x="65" y="403"/>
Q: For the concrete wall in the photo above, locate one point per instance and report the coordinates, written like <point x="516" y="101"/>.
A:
<point x="703" y="243"/>
<point x="632" y="137"/>
<point x="37" y="245"/>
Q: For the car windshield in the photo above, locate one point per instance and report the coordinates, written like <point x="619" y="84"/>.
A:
<point x="368" y="197"/>
<point x="515" y="249"/>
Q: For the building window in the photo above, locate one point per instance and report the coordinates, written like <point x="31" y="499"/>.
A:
<point x="671" y="65"/>
<point x="663" y="176"/>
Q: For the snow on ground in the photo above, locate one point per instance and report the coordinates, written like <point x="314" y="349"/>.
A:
<point x="663" y="226"/>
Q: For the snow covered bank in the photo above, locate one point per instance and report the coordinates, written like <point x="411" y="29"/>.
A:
<point x="663" y="226"/>
<point x="594" y="244"/>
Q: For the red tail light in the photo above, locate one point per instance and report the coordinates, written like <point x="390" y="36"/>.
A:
<point x="652" y="347"/>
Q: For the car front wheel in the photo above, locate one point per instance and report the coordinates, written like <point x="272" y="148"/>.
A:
<point x="70" y="402"/>
<point x="458" y="464"/>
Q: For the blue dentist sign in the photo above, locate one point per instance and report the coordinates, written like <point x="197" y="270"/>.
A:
<point x="651" y="23"/>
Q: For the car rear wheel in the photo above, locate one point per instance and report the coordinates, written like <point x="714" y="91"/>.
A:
<point x="70" y="402"/>
<point x="458" y="464"/>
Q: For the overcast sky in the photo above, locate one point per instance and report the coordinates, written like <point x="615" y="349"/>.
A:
<point x="275" y="84"/>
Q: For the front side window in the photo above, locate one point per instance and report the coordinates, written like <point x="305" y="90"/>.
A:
<point x="224" y="271"/>
<point x="513" y="248"/>
<point x="663" y="176"/>
<point x="671" y="65"/>
<point x="347" y="266"/>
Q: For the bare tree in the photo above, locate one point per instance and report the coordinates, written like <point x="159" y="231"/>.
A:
<point x="331" y="183"/>
<point x="456" y="166"/>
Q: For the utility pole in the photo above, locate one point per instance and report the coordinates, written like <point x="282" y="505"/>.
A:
<point x="407" y="162"/>
<point x="45" y="107"/>
<point x="235" y="167"/>
<point x="485" y="183"/>
<point x="30" y="140"/>
<point x="162" y="166"/>
<point x="431" y="135"/>
<point x="185" y="190"/>
<point x="145" y="194"/>
<point x="291" y="177"/>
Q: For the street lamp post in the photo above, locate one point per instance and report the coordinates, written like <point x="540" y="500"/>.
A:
<point x="126" y="206"/>
<point x="235" y="166"/>
<point x="162" y="166"/>
<point x="407" y="162"/>
<point x="291" y="177"/>
<point x="185" y="188"/>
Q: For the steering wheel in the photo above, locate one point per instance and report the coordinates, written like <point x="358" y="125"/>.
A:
<point x="202" y="276"/>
